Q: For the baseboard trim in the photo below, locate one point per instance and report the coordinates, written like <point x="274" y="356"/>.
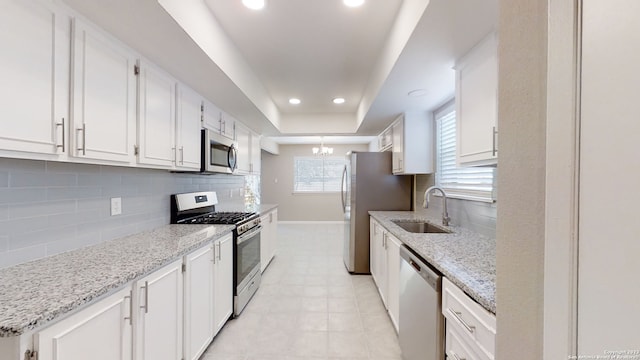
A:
<point x="310" y="222"/>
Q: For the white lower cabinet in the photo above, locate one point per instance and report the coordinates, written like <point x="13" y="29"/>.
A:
<point x="172" y="313"/>
<point x="471" y="330"/>
<point x="159" y="314"/>
<point x="268" y="238"/>
<point x="385" y="268"/>
<point x="393" y="279"/>
<point x="223" y="282"/>
<point x="198" y="302"/>
<point x="99" y="332"/>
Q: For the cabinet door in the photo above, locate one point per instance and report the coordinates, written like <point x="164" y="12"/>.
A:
<point x="159" y="321"/>
<point x="476" y="105"/>
<point x="188" y="125"/>
<point x="256" y="154"/>
<point x="34" y="68"/>
<point x="101" y="331"/>
<point x="393" y="279"/>
<point x="398" y="146"/>
<point x="156" y="117"/>
<point x="378" y="259"/>
<point x="104" y="97"/>
<point x="227" y="125"/>
<point x="198" y="302"/>
<point x="243" y="136"/>
<point x="211" y="116"/>
<point x="223" y="283"/>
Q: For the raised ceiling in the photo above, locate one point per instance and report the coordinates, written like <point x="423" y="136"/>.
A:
<point x="250" y="62"/>
<point x="311" y="50"/>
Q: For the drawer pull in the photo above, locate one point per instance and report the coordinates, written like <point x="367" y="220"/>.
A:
<point x="458" y="316"/>
<point x="455" y="356"/>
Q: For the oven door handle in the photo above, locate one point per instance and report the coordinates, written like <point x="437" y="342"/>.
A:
<point x="242" y="238"/>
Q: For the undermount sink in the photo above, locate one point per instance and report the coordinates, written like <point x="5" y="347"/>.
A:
<point x="420" y="227"/>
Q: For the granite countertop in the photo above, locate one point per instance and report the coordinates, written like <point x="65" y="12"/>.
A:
<point x="40" y="291"/>
<point x="466" y="258"/>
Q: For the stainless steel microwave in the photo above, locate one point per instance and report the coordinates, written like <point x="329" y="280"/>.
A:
<point x="219" y="153"/>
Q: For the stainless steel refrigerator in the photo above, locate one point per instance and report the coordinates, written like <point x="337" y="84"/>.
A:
<point x="367" y="185"/>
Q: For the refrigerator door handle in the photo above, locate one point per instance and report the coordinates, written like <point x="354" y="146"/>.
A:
<point x="343" y="189"/>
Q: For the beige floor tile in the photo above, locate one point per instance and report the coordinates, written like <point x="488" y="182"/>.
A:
<point x="344" y="344"/>
<point x="342" y="305"/>
<point x="310" y="343"/>
<point x="309" y="307"/>
<point x="315" y="304"/>
<point x="311" y="321"/>
<point x="350" y="322"/>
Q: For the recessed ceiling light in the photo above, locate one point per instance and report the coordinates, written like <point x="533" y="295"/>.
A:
<point x="294" y="101"/>
<point x="353" y="3"/>
<point x="254" y="4"/>
<point x="338" y="101"/>
<point x="417" y="93"/>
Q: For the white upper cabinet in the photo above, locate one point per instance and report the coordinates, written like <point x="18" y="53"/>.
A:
<point x="412" y="144"/>
<point x="34" y="68"/>
<point x="256" y="154"/>
<point x="188" y="125"/>
<point x="156" y="117"/>
<point x="249" y="151"/>
<point x="227" y="125"/>
<point x="476" y="105"/>
<point x="243" y="137"/>
<point x="211" y="116"/>
<point x="104" y="97"/>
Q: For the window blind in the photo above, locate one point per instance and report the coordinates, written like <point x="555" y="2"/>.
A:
<point x="318" y="173"/>
<point x="472" y="183"/>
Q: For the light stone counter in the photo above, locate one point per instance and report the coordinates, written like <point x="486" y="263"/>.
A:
<point x="35" y="293"/>
<point x="466" y="258"/>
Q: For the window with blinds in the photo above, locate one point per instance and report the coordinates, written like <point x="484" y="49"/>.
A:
<point x="316" y="174"/>
<point x="471" y="183"/>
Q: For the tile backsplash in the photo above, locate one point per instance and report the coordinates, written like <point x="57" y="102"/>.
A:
<point x="474" y="215"/>
<point x="51" y="207"/>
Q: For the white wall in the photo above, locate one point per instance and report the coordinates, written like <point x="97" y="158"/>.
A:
<point x="277" y="186"/>
<point x="522" y="97"/>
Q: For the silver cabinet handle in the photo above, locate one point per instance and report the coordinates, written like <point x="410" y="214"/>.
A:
<point x="84" y="139"/>
<point x="182" y="155"/>
<point x="146" y="297"/>
<point x="494" y="149"/>
<point x="455" y="356"/>
<point x="219" y="251"/>
<point x="458" y="316"/>
<point x="63" y="145"/>
<point x="130" y="317"/>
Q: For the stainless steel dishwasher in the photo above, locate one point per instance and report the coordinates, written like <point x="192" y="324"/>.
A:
<point x="421" y="324"/>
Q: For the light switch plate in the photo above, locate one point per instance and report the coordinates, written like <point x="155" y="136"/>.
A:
<point x="116" y="206"/>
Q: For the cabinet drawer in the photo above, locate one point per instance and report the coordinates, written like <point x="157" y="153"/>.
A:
<point x="458" y="348"/>
<point x="477" y="324"/>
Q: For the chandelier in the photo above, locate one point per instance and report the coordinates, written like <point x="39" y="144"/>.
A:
<point x="322" y="150"/>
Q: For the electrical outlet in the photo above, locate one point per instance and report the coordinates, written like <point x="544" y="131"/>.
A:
<point x="116" y="206"/>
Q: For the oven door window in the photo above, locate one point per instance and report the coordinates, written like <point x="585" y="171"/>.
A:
<point x="248" y="256"/>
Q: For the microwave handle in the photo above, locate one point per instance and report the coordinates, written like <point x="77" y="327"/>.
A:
<point x="233" y="152"/>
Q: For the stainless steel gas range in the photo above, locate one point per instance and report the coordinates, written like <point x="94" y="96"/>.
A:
<point x="199" y="208"/>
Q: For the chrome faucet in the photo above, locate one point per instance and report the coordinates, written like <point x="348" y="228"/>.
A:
<point x="445" y="214"/>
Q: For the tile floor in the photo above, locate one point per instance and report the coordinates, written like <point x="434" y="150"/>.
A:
<point x="309" y="307"/>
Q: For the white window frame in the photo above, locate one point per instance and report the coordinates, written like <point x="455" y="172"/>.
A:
<point x="296" y="190"/>
<point x="468" y="183"/>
